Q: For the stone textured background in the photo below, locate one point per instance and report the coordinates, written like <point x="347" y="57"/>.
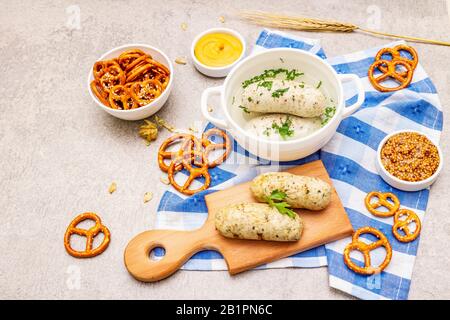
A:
<point x="59" y="152"/>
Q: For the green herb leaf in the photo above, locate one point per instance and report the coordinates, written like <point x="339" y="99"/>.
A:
<point x="319" y="84"/>
<point x="244" y="109"/>
<point x="266" y="84"/>
<point x="271" y="74"/>
<point x="328" y="114"/>
<point x="285" y="129"/>
<point x="291" y="75"/>
<point x="278" y="195"/>
<point x="278" y="93"/>
<point x="275" y="200"/>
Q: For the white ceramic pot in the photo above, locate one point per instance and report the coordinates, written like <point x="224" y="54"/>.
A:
<point x="402" y="184"/>
<point x="315" y="69"/>
<point x="144" y="111"/>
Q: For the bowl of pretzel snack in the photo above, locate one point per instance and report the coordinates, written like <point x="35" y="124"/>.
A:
<point x="131" y="82"/>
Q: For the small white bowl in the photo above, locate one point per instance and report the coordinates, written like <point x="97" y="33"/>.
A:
<point x="402" y="184"/>
<point x="217" y="72"/>
<point x="144" y="111"/>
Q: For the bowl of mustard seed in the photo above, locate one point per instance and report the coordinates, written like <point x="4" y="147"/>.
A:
<point x="409" y="160"/>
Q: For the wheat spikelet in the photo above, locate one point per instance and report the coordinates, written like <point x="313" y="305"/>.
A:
<point x="296" y="23"/>
<point x="309" y="24"/>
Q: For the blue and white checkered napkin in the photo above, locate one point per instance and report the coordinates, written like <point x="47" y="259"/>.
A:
<point x="350" y="161"/>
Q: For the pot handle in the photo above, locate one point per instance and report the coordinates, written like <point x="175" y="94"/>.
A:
<point x="204" y="106"/>
<point x="361" y="93"/>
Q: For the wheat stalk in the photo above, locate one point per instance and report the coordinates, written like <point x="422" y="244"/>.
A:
<point x="309" y="24"/>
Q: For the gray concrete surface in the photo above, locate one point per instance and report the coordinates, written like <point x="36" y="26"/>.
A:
<point x="59" y="151"/>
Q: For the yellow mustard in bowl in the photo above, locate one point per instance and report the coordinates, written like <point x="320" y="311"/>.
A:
<point x="218" y="49"/>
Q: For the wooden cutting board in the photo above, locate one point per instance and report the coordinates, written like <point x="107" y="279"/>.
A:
<point x="320" y="227"/>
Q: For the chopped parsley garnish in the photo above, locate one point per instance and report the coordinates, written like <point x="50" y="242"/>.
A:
<point x="278" y="93"/>
<point x="234" y="99"/>
<point x="319" y="84"/>
<point x="250" y="99"/>
<point x="291" y="75"/>
<point x="244" y="109"/>
<point x="266" y="84"/>
<point x="276" y="200"/>
<point x="328" y="114"/>
<point x="271" y="74"/>
<point x="285" y="129"/>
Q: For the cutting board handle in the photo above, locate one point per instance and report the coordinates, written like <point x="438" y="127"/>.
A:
<point x="179" y="246"/>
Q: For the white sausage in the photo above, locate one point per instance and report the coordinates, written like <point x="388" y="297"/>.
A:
<point x="300" y="99"/>
<point x="261" y="126"/>
<point x="301" y="192"/>
<point x="257" y="221"/>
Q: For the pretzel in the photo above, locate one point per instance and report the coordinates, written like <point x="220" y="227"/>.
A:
<point x="89" y="234"/>
<point x="99" y="92"/>
<point x="163" y="79"/>
<point x="403" y="225"/>
<point x="120" y="98"/>
<point x="145" y="92"/>
<point x="139" y="73"/>
<point x="129" y="56"/>
<point x="188" y="142"/>
<point x="113" y="76"/>
<point x="194" y="172"/>
<point x="159" y="67"/>
<point x="209" y="146"/>
<point x="365" y="249"/>
<point x="395" y="54"/>
<point x="392" y="73"/>
<point x="100" y="67"/>
<point x="132" y="69"/>
<point x="136" y="62"/>
<point x="382" y="202"/>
